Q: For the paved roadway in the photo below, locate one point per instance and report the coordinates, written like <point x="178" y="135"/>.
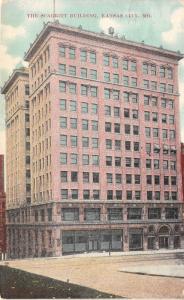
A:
<point x="102" y="272"/>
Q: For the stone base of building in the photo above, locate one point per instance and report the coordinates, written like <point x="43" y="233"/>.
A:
<point x="63" y="242"/>
<point x="55" y="229"/>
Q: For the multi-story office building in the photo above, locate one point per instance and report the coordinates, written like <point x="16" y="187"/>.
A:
<point x="2" y="211"/>
<point x="105" y="146"/>
<point x="18" y="185"/>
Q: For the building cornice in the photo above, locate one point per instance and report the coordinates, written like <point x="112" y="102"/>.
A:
<point x="16" y="73"/>
<point x="101" y="37"/>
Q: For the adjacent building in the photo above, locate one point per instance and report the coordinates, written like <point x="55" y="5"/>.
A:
<point x="2" y="211"/>
<point x="182" y="165"/>
<point x="105" y="154"/>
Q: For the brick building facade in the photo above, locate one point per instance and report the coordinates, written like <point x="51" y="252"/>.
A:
<point x="104" y="147"/>
<point x="2" y="211"/>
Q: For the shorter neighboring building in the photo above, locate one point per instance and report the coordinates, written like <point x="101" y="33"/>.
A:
<point x="2" y="210"/>
<point x="182" y="167"/>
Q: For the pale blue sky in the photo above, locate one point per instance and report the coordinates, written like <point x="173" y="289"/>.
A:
<point x="164" y="27"/>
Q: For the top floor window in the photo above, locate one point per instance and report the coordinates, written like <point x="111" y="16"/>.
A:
<point x="115" y="62"/>
<point x="125" y="64"/>
<point x="83" y="55"/>
<point x="62" y="51"/>
<point x="72" y="53"/>
<point x="153" y="70"/>
<point x="93" y="57"/>
<point x="162" y="71"/>
<point x="133" y="66"/>
<point x="106" y="60"/>
<point x="145" y="68"/>
<point x="170" y="73"/>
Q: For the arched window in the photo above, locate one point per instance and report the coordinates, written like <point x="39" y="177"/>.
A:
<point x="164" y="230"/>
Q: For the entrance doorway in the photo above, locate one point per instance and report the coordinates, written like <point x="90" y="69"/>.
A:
<point x="93" y="245"/>
<point x="164" y="242"/>
<point x="151" y="242"/>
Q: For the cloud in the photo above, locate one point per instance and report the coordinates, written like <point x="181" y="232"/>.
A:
<point x="175" y="34"/>
<point x="105" y="23"/>
<point x="9" y="32"/>
<point x="8" y="62"/>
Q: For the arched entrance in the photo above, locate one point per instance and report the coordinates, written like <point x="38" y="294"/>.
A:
<point x="163" y="235"/>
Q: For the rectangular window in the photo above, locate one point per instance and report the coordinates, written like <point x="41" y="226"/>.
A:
<point x="83" y="73"/>
<point x="62" y="86"/>
<point x="74" y="194"/>
<point x="84" y="90"/>
<point x="127" y="129"/>
<point x="73" y="141"/>
<point x="73" y="123"/>
<point x="85" y="142"/>
<point x="146" y="84"/>
<point x="153" y="85"/>
<point x="107" y="93"/>
<point x="162" y="72"/>
<point x="109" y="195"/>
<point x="74" y="158"/>
<point x="94" y="91"/>
<point x="125" y="80"/>
<point x="108" y="160"/>
<point x="115" y="78"/>
<point x="133" y="82"/>
<point x="95" y="160"/>
<point x="125" y="64"/>
<point x="73" y="105"/>
<point x="145" y="68"/>
<point x="63" y="122"/>
<point x="63" y="158"/>
<point x="128" y="162"/>
<point x="62" y="51"/>
<point x="96" y="194"/>
<point x="171" y="213"/>
<point x="117" y="128"/>
<point x="134" y="213"/>
<point x="117" y="145"/>
<point x="63" y="140"/>
<point x="94" y="143"/>
<point x="115" y="214"/>
<point x="62" y="104"/>
<point x="64" y="194"/>
<point x="93" y="74"/>
<point x="108" y="127"/>
<point x="109" y="177"/>
<point x="106" y="60"/>
<point x="170" y="88"/>
<point x="72" y="53"/>
<point x="94" y="108"/>
<point x="94" y="125"/>
<point x="72" y="70"/>
<point x="137" y="179"/>
<point x="85" y="159"/>
<point x="72" y="88"/>
<point x="63" y="176"/>
<point x="106" y="76"/>
<point x="92" y="57"/>
<point x="83" y="55"/>
<point x="108" y="144"/>
<point x="153" y="70"/>
<point x="170" y="73"/>
<point x="133" y="66"/>
<point x="70" y="214"/>
<point x="86" y="177"/>
<point x="74" y="176"/>
<point x="92" y="214"/>
<point x="84" y="107"/>
<point x="115" y="62"/>
<point x="62" y="69"/>
<point x="85" y="124"/>
<point x="146" y="100"/>
<point x="154" y="213"/>
<point x="162" y="87"/>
